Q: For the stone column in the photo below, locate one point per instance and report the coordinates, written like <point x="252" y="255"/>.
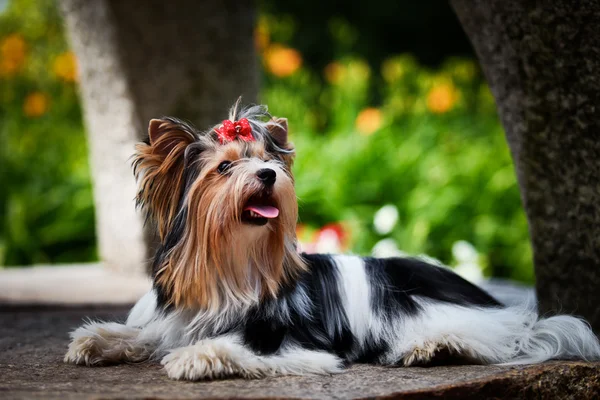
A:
<point x="542" y="61"/>
<point x="141" y="59"/>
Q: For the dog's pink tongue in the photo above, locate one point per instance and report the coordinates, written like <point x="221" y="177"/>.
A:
<point x="264" y="211"/>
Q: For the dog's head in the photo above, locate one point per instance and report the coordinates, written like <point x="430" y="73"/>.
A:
<point x="224" y="205"/>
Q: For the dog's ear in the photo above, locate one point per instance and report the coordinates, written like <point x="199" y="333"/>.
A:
<point x="278" y="129"/>
<point x="167" y="134"/>
<point x="159" y="166"/>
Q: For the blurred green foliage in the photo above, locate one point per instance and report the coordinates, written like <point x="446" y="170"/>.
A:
<point x="46" y="209"/>
<point x="426" y="140"/>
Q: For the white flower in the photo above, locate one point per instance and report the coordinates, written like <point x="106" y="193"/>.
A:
<point x="467" y="260"/>
<point x="464" y="252"/>
<point x="386" y="248"/>
<point x="385" y="219"/>
<point x="471" y="271"/>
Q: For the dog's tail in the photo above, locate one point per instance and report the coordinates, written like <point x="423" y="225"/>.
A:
<point x="556" y="337"/>
<point x="502" y="335"/>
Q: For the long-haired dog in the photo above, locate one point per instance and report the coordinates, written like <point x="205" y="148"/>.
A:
<point x="232" y="296"/>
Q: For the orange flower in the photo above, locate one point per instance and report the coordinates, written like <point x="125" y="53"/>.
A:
<point x="65" y="66"/>
<point x="282" y="61"/>
<point x="12" y="52"/>
<point x="334" y="72"/>
<point x="369" y="121"/>
<point x="442" y="97"/>
<point x="36" y="104"/>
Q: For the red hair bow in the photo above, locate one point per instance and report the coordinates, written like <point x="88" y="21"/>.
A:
<point x="230" y="130"/>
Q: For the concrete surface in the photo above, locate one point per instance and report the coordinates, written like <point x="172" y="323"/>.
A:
<point x="33" y="340"/>
<point x="70" y="284"/>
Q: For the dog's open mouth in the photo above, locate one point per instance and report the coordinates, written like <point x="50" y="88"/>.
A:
<point x="259" y="210"/>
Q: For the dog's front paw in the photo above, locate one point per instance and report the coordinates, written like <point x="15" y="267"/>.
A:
<point x="195" y="363"/>
<point x="100" y="343"/>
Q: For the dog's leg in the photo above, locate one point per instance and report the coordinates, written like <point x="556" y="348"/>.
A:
<point x="225" y="356"/>
<point x="422" y="355"/>
<point x="455" y="333"/>
<point x="98" y="343"/>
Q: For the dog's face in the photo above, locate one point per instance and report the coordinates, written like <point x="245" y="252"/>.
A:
<point x="243" y="188"/>
<point x="226" y="211"/>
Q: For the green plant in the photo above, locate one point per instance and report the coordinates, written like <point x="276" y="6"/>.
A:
<point x="46" y="209"/>
<point x="425" y="142"/>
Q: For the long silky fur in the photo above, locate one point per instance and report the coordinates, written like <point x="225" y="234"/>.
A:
<point x="158" y="168"/>
<point x="210" y="266"/>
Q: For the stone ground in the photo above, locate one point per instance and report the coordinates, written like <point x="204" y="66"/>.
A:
<point x="33" y="340"/>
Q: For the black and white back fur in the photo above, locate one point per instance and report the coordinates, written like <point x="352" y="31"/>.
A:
<point x="329" y="312"/>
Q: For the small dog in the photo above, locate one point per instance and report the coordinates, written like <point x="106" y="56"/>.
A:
<point x="232" y="296"/>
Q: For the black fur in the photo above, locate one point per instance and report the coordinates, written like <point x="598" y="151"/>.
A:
<point x="394" y="284"/>
<point x="407" y="277"/>
<point x="312" y="328"/>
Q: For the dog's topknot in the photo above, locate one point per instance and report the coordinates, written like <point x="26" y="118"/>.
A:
<point x="264" y="126"/>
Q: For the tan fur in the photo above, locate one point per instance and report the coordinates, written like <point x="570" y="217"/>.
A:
<point x="158" y="167"/>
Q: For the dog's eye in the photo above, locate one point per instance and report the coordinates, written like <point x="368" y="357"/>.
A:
<point x="223" y="167"/>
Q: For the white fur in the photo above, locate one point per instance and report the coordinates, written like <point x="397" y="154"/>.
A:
<point x="496" y="336"/>
<point x="225" y="356"/>
<point x="355" y="291"/>
<point x="97" y="343"/>
<point x="143" y="311"/>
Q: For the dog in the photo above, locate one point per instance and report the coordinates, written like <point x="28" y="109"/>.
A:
<point x="233" y="297"/>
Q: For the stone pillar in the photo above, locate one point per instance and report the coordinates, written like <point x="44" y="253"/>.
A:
<point x="542" y="61"/>
<point x="141" y="59"/>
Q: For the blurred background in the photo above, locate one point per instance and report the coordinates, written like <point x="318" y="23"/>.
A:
<point x="399" y="146"/>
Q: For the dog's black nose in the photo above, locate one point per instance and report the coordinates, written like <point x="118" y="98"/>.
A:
<point x="267" y="176"/>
